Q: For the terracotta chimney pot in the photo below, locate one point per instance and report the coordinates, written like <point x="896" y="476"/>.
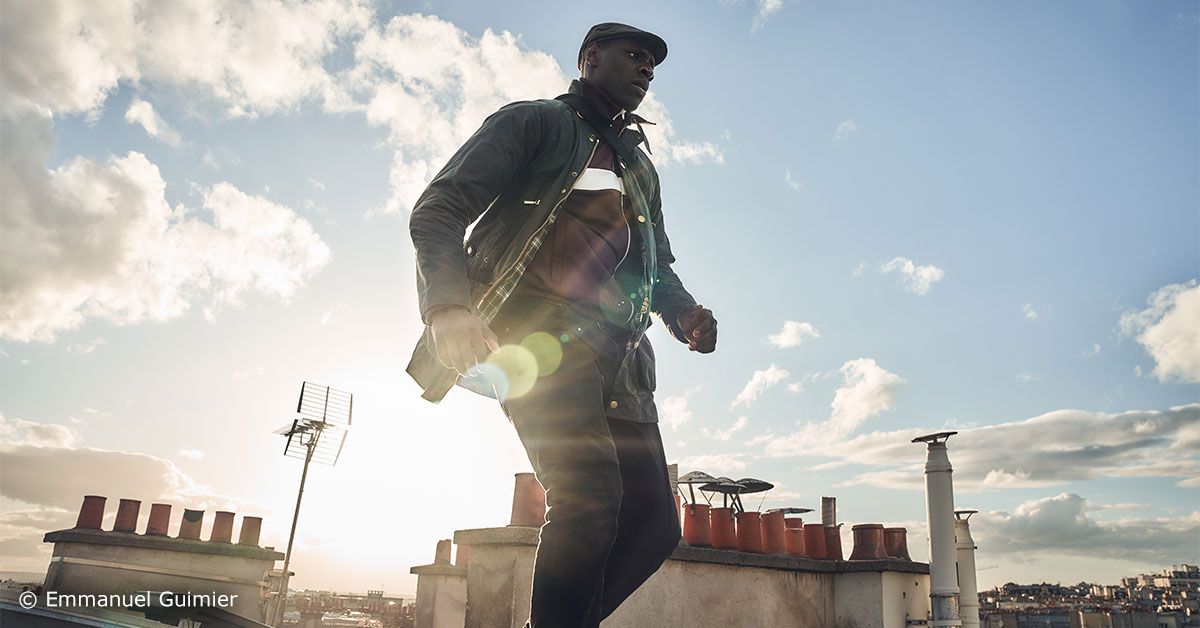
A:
<point x="222" y="530"/>
<point x="723" y="534"/>
<point x="529" y="502"/>
<point x="251" y="529"/>
<point x="868" y="542"/>
<point x="749" y="532"/>
<point x="773" y="538"/>
<point x="160" y="519"/>
<point x="793" y="536"/>
<point x="833" y="542"/>
<point x="814" y="540"/>
<point x="697" y="525"/>
<point x="895" y="540"/>
<point x="127" y="515"/>
<point x="189" y="527"/>
<point x="91" y="513"/>
<point x="442" y="555"/>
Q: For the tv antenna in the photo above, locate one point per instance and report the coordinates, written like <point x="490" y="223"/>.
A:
<point x="318" y="433"/>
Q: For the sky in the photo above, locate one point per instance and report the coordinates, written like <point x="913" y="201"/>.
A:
<point x="907" y="217"/>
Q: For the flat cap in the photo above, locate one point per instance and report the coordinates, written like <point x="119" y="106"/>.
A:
<point x="613" y="30"/>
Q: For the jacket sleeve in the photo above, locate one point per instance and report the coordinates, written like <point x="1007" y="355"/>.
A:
<point x="669" y="295"/>
<point x="460" y="193"/>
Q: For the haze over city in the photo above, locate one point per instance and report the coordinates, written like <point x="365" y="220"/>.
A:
<point x="908" y="218"/>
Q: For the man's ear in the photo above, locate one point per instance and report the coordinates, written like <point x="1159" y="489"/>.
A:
<point x="591" y="56"/>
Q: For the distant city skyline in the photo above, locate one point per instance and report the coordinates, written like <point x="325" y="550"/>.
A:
<point x="907" y="219"/>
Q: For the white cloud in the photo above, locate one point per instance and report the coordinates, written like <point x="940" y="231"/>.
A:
<point x="1170" y="331"/>
<point x="1051" y="449"/>
<point x="68" y="56"/>
<point x="674" y="411"/>
<point x="87" y="347"/>
<point x="316" y="184"/>
<point x="142" y="112"/>
<point x="726" y="434"/>
<point x="97" y="239"/>
<point x="867" y="390"/>
<point x="1030" y="313"/>
<point x="793" y="333"/>
<point x="758" y="384"/>
<point x="795" y="387"/>
<point x="328" y="315"/>
<point x="917" y="279"/>
<point x="715" y="464"/>
<point x="105" y="241"/>
<point x="764" y="11"/>
<point x="1026" y="378"/>
<point x="791" y="183"/>
<point x="1060" y="525"/>
<point x="431" y="84"/>
<point x="760" y="439"/>
<point x="191" y="454"/>
<point x="845" y="130"/>
<point x="22" y="433"/>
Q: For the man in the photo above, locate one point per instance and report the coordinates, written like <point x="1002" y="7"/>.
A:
<point x="568" y="259"/>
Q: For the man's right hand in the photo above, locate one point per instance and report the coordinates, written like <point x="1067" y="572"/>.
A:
<point x="461" y="339"/>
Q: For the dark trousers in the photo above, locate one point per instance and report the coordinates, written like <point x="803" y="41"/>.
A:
<point x="612" y="518"/>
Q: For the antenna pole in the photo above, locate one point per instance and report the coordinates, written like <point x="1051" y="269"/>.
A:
<point x="287" y="558"/>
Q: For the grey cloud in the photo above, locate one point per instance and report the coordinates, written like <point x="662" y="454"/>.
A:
<point x="1050" y="449"/>
<point x="1060" y="525"/>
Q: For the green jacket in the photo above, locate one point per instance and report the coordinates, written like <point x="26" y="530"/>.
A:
<point x="512" y="175"/>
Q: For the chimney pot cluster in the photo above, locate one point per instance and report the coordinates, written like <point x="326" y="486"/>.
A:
<point x="91" y="516"/>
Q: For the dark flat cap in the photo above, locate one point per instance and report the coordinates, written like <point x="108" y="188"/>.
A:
<point x="613" y="30"/>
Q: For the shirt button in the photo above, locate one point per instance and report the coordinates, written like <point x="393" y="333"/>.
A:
<point x="641" y="219"/>
<point x="574" y="173"/>
<point x="563" y="191"/>
<point x="612" y="404"/>
<point x="469" y="250"/>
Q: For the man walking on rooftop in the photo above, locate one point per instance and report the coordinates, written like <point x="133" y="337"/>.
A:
<point x="546" y="305"/>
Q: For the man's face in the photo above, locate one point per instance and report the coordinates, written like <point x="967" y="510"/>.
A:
<point x="623" y="68"/>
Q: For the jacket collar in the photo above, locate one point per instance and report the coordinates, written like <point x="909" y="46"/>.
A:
<point x="604" y="106"/>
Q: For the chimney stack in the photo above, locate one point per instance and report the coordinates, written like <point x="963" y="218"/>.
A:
<point x="939" y="501"/>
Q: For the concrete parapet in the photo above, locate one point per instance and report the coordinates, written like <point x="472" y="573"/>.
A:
<point x="703" y="587"/>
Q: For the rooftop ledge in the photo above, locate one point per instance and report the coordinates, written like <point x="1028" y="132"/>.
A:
<point x="522" y="535"/>
<point x="132" y="539"/>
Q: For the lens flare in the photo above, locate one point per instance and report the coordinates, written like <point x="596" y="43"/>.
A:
<point x="546" y="350"/>
<point x="519" y="366"/>
<point x="487" y="379"/>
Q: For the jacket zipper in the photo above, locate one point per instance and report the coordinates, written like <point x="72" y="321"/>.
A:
<point x="549" y="217"/>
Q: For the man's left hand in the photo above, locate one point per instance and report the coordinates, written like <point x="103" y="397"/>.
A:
<point x="699" y="327"/>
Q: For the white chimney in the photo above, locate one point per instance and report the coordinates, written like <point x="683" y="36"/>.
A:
<point x="969" y="596"/>
<point x="939" y="501"/>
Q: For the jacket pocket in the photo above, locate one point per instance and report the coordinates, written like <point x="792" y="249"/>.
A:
<point x="645" y="364"/>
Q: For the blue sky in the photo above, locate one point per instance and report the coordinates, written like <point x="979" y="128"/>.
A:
<point x="907" y="218"/>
